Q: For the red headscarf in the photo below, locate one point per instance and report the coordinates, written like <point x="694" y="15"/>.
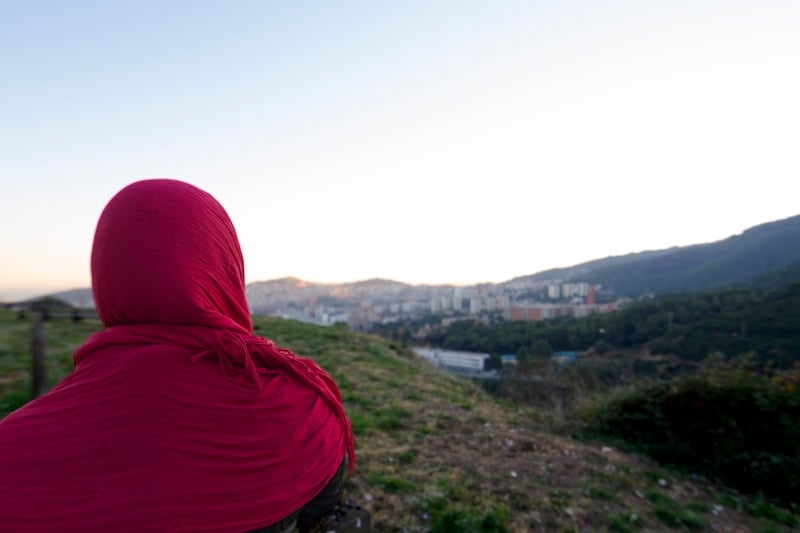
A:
<point x="176" y="417"/>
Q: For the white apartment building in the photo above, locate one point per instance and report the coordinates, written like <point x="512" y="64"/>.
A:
<point x="554" y="292"/>
<point x="454" y="361"/>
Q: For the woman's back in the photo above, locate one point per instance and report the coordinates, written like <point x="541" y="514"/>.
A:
<point x="176" y="418"/>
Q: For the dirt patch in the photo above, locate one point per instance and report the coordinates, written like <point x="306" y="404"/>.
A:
<point x="476" y="458"/>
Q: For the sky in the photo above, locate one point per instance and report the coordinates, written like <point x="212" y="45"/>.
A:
<point x="420" y="141"/>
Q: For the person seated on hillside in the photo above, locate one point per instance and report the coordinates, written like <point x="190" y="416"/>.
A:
<point x="176" y="417"/>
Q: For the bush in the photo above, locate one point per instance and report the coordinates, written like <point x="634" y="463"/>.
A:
<point x="733" y="426"/>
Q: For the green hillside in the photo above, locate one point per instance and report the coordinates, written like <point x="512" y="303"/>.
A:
<point x="740" y="259"/>
<point x="760" y="322"/>
<point x="436" y="453"/>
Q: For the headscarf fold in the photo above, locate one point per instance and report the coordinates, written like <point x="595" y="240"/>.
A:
<point x="176" y="417"/>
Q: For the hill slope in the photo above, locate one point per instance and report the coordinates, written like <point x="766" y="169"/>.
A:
<point x="738" y="259"/>
<point x="435" y="453"/>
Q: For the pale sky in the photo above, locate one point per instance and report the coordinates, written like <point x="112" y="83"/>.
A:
<point x="421" y="141"/>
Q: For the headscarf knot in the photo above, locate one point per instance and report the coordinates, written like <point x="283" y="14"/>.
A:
<point x="235" y="359"/>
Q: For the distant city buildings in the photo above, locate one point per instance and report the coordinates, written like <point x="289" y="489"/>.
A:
<point x="363" y="304"/>
<point x="542" y="311"/>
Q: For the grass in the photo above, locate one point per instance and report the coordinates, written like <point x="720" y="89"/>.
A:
<point x="762" y="508"/>
<point x="437" y="453"/>
<point x="677" y="518"/>
<point x="393" y="484"/>
<point x="62" y="337"/>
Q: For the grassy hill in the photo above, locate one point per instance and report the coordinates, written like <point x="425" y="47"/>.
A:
<point x="436" y="453"/>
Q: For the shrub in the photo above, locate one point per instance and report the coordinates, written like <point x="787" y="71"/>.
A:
<point x="734" y="426"/>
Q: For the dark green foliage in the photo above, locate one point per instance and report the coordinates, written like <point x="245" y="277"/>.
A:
<point x="458" y="507"/>
<point x="598" y="493"/>
<point x="769" y="253"/>
<point x="734" y="426"/>
<point x="391" y="418"/>
<point x="739" y="259"/>
<point x="407" y="456"/>
<point x="13" y="401"/>
<point x="678" y="518"/>
<point x="602" y="346"/>
<point x="689" y="327"/>
<point x="761" y="508"/>
<point x="361" y="422"/>
<point x="624" y="524"/>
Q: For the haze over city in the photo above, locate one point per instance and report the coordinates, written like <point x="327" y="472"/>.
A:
<point x="445" y="142"/>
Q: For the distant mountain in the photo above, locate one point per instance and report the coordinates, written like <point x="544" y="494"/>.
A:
<point x="270" y="295"/>
<point x="78" y="298"/>
<point x="765" y="254"/>
<point x="582" y="270"/>
<point x="740" y="259"/>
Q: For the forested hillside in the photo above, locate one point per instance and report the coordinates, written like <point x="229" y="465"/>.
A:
<point x="730" y="322"/>
<point x="739" y="259"/>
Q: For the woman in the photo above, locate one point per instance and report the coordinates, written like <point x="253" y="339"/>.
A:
<point x="176" y="417"/>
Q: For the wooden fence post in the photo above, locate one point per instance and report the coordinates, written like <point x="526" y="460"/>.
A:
<point x="38" y="348"/>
